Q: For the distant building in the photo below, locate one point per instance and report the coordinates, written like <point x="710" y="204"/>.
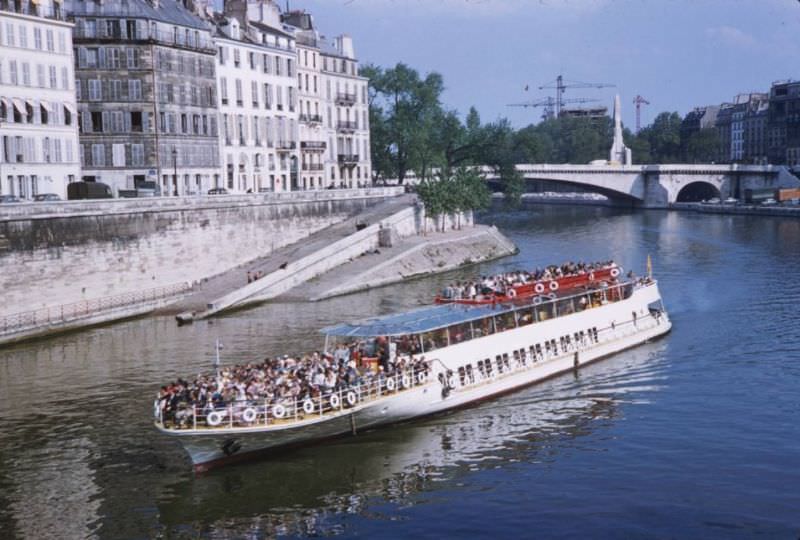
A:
<point x="334" y="112"/>
<point x="584" y="112"/>
<point x="783" y="123"/>
<point x="697" y="119"/>
<point x="38" y="115"/>
<point x="755" y="131"/>
<point x="147" y="92"/>
<point x="257" y="78"/>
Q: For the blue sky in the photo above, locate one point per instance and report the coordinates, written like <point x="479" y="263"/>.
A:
<point x="676" y="53"/>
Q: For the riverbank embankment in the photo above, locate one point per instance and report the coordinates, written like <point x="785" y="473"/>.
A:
<point x="77" y="263"/>
<point x="740" y="209"/>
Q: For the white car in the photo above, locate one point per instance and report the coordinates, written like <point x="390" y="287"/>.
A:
<point x="769" y="202"/>
<point x="731" y="200"/>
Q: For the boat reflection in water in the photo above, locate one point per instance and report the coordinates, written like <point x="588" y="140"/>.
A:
<point x="307" y="491"/>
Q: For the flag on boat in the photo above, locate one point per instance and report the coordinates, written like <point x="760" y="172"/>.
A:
<point x="649" y="266"/>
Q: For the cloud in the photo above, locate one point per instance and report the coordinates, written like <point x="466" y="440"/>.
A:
<point x="731" y="36"/>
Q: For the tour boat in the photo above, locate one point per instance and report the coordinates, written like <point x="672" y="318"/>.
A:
<point x="607" y="273"/>
<point x="471" y="353"/>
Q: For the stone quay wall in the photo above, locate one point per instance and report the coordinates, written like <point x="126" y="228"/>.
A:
<point x="82" y="252"/>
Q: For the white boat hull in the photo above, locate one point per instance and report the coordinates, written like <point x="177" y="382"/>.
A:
<point x="617" y="329"/>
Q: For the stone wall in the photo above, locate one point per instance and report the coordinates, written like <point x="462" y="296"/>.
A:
<point x="72" y="252"/>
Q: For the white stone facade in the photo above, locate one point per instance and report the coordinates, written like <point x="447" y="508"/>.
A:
<point x="38" y="113"/>
<point x="256" y="75"/>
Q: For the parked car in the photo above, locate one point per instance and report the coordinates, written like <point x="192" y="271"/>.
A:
<point x="41" y="197"/>
<point x="769" y="202"/>
<point x="714" y="200"/>
<point x="218" y="191"/>
<point x="9" y="199"/>
<point x="88" y="190"/>
<point x="731" y="200"/>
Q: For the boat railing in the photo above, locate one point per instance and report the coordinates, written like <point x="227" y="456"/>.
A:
<point x="251" y="413"/>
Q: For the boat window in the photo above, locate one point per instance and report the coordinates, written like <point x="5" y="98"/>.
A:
<point x="407" y="345"/>
<point x="505" y="321"/>
<point x="435" y="339"/>
<point x="470" y="374"/>
<point x="482" y="368"/>
<point x="594" y="333"/>
<point x="499" y="360"/>
<point x="505" y="361"/>
<point x="483" y="327"/>
<point x="525" y="317"/>
<point x="462" y="375"/>
<point x="488" y="365"/>
<point x="459" y="333"/>
<point x="565" y="307"/>
<point x="547" y="348"/>
<point x="553" y="346"/>
<point x="518" y="358"/>
<point x="544" y="311"/>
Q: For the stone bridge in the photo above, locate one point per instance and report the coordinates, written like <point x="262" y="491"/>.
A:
<point x="658" y="186"/>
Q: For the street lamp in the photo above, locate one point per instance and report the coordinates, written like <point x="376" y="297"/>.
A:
<point x="175" y="171"/>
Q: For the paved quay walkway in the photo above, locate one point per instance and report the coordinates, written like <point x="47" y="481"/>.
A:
<point x="218" y="286"/>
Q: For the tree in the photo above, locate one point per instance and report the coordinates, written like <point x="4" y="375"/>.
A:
<point x="703" y="146"/>
<point x="462" y="191"/>
<point x="664" y="136"/>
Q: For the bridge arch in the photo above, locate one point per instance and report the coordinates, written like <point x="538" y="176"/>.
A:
<point x="697" y="192"/>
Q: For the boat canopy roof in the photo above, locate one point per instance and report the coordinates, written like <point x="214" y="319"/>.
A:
<point x="416" y="321"/>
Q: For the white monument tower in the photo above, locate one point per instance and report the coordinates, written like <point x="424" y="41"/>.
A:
<point x="619" y="152"/>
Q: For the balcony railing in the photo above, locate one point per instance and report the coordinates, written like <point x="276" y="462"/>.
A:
<point x="348" y="159"/>
<point x="346" y="126"/>
<point x="26" y="7"/>
<point x="311" y="118"/>
<point x="179" y="39"/>
<point x="313" y="146"/>
<point x="285" y="146"/>
<point x="313" y="167"/>
<point x="343" y="98"/>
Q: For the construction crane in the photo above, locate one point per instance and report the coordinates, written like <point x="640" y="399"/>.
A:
<point x="560" y="85"/>
<point x="639" y="101"/>
<point x="549" y="104"/>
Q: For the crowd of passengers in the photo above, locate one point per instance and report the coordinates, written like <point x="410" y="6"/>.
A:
<point x="284" y="380"/>
<point x="500" y="284"/>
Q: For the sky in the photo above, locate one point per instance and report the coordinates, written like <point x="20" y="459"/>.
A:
<point x="678" y="54"/>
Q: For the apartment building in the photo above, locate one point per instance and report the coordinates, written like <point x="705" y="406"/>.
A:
<point x="147" y="92"/>
<point x="38" y="114"/>
<point x="257" y="80"/>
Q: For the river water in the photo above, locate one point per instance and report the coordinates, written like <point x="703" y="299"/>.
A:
<point x="694" y="435"/>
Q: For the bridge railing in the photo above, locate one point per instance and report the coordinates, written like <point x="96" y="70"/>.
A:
<point x="64" y="313"/>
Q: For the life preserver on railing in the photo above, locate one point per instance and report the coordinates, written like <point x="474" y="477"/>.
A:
<point x="334" y="401"/>
<point x="351" y="398"/>
<point x="614" y="272"/>
<point x="214" y="418"/>
<point x="511" y="293"/>
<point x="451" y="381"/>
<point x="553" y="285"/>
<point x="279" y="411"/>
<point x="551" y="296"/>
<point x="249" y="415"/>
<point x="537" y="300"/>
<point x="539" y="288"/>
<point x="405" y="381"/>
<point x="421" y="377"/>
<point x="539" y="357"/>
<point x="591" y="276"/>
<point x="308" y="406"/>
<point x="390" y="384"/>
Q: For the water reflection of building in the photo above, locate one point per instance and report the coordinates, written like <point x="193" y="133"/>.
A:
<point x="303" y="492"/>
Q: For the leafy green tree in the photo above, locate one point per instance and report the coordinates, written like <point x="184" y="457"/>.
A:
<point x="664" y="136"/>
<point x="703" y="146"/>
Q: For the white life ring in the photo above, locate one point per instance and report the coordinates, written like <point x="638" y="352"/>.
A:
<point x="552" y="296"/>
<point x="334" y="400"/>
<point x="421" y="377"/>
<point x="308" y="406"/>
<point x="406" y="381"/>
<point x="614" y="272"/>
<point x="249" y="415"/>
<point x="537" y="300"/>
<point x="511" y="293"/>
<point x="591" y="276"/>
<point x="278" y="411"/>
<point x="553" y="285"/>
<point x="390" y="384"/>
<point x="352" y="398"/>
<point x="539" y="288"/>
<point x="214" y="418"/>
<point x="539" y="357"/>
<point x="451" y="382"/>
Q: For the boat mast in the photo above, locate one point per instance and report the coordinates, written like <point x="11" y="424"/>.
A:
<point x="216" y="358"/>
